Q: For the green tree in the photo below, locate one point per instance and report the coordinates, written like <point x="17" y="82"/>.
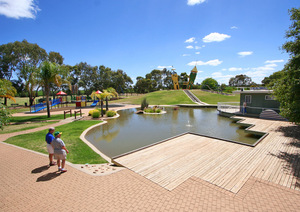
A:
<point x="30" y="76"/>
<point x="120" y="80"/>
<point x="167" y="79"/>
<point x="49" y="74"/>
<point x="272" y="79"/>
<point x="6" y="90"/>
<point x="209" y="83"/>
<point x="240" y="81"/>
<point x="20" y="57"/>
<point x="156" y="75"/>
<point x="183" y="78"/>
<point x="55" y="57"/>
<point x="287" y="88"/>
<point x="144" y="85"/>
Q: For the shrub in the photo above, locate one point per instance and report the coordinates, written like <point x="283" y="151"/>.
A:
<point x="144" y="104"/>
<point x="96" y="114"/>
<point x="99" y="109"/>
<point x="158" y="111"/>
<point x="91" y="112"/>
<point x="111" y="113"/>
<point x="148" y="110"/>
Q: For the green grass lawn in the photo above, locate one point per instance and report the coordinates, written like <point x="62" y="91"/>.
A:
<point x="170" y="97"/>
<point x="36" y="118"/>
<point x="213" y="98"/>
<point x="80" y="153"/>
<point x="22" y="127"/>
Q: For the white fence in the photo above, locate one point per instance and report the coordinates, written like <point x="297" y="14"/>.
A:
<point x="234" y="107"/>
<point x="229" y="107"/>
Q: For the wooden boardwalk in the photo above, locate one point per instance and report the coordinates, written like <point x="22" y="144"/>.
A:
<point x="227" y="165"/>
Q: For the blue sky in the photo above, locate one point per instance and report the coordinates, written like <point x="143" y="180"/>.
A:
<point x="223" y="38"/>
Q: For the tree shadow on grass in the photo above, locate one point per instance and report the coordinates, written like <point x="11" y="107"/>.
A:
<point x="40" y="169"/>
<point x="292" y="159"/>
<point x="48" y="176"/>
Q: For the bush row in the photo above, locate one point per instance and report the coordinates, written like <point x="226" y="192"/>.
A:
<point x="96" y="113"/>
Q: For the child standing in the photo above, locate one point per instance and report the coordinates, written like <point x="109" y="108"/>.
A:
<point x="49" y="139"/>
<point x="60" y="151"/>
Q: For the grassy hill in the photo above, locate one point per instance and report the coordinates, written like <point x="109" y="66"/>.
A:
<point x="170" y="97"/>
<point x="213" y="98"/>
<point x="173" y="97"/>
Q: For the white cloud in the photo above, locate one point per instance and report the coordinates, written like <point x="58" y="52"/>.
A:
<point x="235" y="69"/>
<point x="274" y="61"/>
<point x="257" y="74"/>
<point x="215" y="37"/>
<point x="162" y="67"/>
<point x="18" y="8"/>
<point x="215" y="62"/>
<point x="194" y="2"/>
<point x="197" y="47"/>
<point x="185" y="55"/>
<point x="197" y="53"/>
<point x="189" y="47"/>
<point x="233" y="27"/>
<point x="190" y="40"/>
<point x="221" y="78"/>
<point x="244" y="54"/>
<point x="271" y="65"/>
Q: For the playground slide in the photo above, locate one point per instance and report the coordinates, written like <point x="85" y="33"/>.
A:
<point x="55" y="102"/>
<point x="38" y="107"/>
<point x="94" y="103"/>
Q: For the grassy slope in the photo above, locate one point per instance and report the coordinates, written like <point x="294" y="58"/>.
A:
<point x="22" y="127"/>
<point x="212" y="98"/>
<point x="171" y="97"/>
<point x="36" y="118"/>
<point x="80" y="153"/>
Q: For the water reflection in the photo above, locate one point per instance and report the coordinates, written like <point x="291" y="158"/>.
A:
<point x="131" y="131"/>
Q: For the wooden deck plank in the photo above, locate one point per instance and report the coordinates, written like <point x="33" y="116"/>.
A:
<point x="224" y="164"/>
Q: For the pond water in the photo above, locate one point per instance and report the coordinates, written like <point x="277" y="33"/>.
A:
<point x="131" y="131"/>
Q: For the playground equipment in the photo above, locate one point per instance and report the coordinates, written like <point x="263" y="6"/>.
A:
<point x="80" y="101"/>
<point x="41" y="106"/>
<point x="188" y="84"/>
<point x="175" y="79"/>
<point x="94" y="103"/>
<point x="192" y="77"/>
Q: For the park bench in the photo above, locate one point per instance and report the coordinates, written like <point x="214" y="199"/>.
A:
<point x="15" y="105"/>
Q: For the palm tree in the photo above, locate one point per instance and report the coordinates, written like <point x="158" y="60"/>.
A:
<point x="30" y="74"/>
<point x="7" y="90"/>
<point x="50" y="74"/>
<point x="107" y="94"/>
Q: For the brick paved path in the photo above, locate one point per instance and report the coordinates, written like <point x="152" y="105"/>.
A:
<point x="27" y="185"/>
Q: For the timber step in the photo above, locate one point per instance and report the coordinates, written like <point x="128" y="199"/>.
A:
<point x="271" y="114"/>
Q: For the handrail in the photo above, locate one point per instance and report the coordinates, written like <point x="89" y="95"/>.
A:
<point x="229" y="107"/>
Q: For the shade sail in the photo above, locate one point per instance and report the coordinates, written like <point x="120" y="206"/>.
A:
<point x="61" y="93"/>
<point x="98" y="92"/>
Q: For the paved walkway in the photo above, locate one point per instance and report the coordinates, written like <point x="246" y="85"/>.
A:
<point x="27" y="184"/>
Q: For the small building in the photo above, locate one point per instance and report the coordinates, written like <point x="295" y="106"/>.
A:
<point x="257" y="101"/>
